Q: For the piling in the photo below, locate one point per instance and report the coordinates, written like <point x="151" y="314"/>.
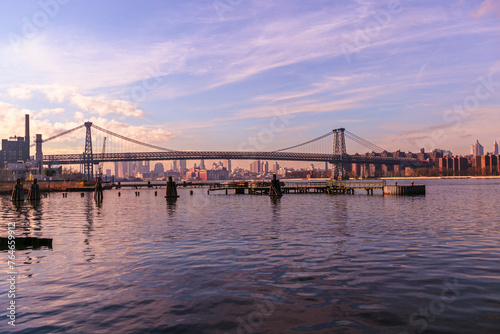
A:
<point x="34" y="191"/>
<point x="275" y="188"/>
<point x="98" y="196"/>
<point x="18" y="192"/>
<point x="171" y="189"/>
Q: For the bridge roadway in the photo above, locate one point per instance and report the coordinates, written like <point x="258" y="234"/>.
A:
<point x="65" y="159"/>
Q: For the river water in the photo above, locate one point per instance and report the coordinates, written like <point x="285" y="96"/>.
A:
<point x="249" y="264"/>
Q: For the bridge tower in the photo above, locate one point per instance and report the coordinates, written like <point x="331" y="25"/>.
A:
<point x="88" y="157"/>
<point x="339" y="149"/>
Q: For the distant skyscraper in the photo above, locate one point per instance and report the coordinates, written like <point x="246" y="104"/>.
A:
<point x="495" y="148"/>
<point x="275" y="167"/>
<point x="477" y="149"/>
<point x="202" y="164"/>
<point x="159" y="170"/>
<point x="227" y="164"/>
<point x="266" y="167"/>
<point x="255" y="167"/>
<point x="182" y="166"/>
<point x="174" y="165"/>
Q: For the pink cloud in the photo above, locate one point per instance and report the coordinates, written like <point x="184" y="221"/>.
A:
<point x="487" y="7"/>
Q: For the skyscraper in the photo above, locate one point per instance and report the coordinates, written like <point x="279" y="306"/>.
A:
<point x="495" y="148"/>
<point x="265" y="167"/>
<point x="255" y="167"/>
<point x="227" y="164"/>
<point x="182" y="166"/>
<point x="476" y="149"/>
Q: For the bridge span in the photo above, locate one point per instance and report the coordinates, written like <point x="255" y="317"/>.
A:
<point x="330" y="147"/>
<point x="61" y="159"/>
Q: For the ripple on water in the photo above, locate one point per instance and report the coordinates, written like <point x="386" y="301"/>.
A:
<point x="219" y="264"/>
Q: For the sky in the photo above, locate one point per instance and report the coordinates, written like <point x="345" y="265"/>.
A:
<point x="246" y="75"/>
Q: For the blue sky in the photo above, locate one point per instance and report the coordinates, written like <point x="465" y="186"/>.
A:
<point x="209" y="75"/>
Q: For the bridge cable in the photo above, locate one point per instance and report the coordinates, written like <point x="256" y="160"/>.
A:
<point x="60" y="134"/>
<point x="132" y="140"/>
<point x="307" y="142"/>
<point x="363" y="142"/>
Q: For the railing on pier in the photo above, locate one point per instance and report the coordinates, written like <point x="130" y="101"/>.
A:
<point x="356" y="184"/>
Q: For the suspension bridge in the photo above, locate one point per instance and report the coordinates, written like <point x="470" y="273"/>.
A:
<point x="330" y="147"/>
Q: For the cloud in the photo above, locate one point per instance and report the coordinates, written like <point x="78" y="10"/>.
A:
<point x="99" y="105"/>
<point x="487" y="7"/>
<point x="103" y="107"/>
<point x="47" y="111"/>
<point x="20" y="93"/>
<point x="12" y="120"/>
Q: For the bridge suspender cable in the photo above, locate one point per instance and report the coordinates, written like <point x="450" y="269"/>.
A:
<point x="132" y="140"/>
<point x="307" y="142"/>
<point x="363" y="142"/>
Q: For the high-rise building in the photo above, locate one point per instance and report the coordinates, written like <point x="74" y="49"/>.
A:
<point x="182" y="166"/>
<point x="227" y="164"/>
<point x="174" y="165"/>
<point x="255" y="167"/>
<point x="202" y="164"/>
<point x="265" y="168"/>
<point x="159" y="170"/>
<point x="275" y="167"/>
<point x="495" y="148"/>
<point x="476" y="149"/>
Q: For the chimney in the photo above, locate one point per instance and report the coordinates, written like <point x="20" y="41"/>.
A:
<point x="27" y="133"/>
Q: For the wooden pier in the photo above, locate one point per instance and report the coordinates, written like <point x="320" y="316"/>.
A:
<point x="295" y="187"/>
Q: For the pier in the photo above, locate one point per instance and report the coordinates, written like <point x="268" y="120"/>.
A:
<point x="297" y="187"/>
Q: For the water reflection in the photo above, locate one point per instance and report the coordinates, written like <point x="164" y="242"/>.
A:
<point x="276" y="218"/>
<point x="171" y="206"/>
<point x="36" y="217"/>
<point x="88" y="229"/>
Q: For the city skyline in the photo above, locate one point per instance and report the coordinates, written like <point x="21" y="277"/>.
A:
<point x="207" y="76"/>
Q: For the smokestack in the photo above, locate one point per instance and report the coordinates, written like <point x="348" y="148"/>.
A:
<point x="27" y="133"/>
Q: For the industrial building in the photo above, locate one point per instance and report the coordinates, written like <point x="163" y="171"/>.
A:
<point x="16" y="148"/>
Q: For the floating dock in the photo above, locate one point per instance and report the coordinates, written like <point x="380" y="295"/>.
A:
<point x="22" y="243"/>
<point x="405" y="190"/>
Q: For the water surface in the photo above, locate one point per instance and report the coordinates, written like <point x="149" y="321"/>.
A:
<point x="249" y="264"/>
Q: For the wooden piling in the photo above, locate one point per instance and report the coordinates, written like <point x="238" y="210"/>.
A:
<point x="34" y="191"/>
<point x="275" y="188"/>
<point x="18" y="192"/>
<point x="98" y="195"/>
<point x="171" y="189"/>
